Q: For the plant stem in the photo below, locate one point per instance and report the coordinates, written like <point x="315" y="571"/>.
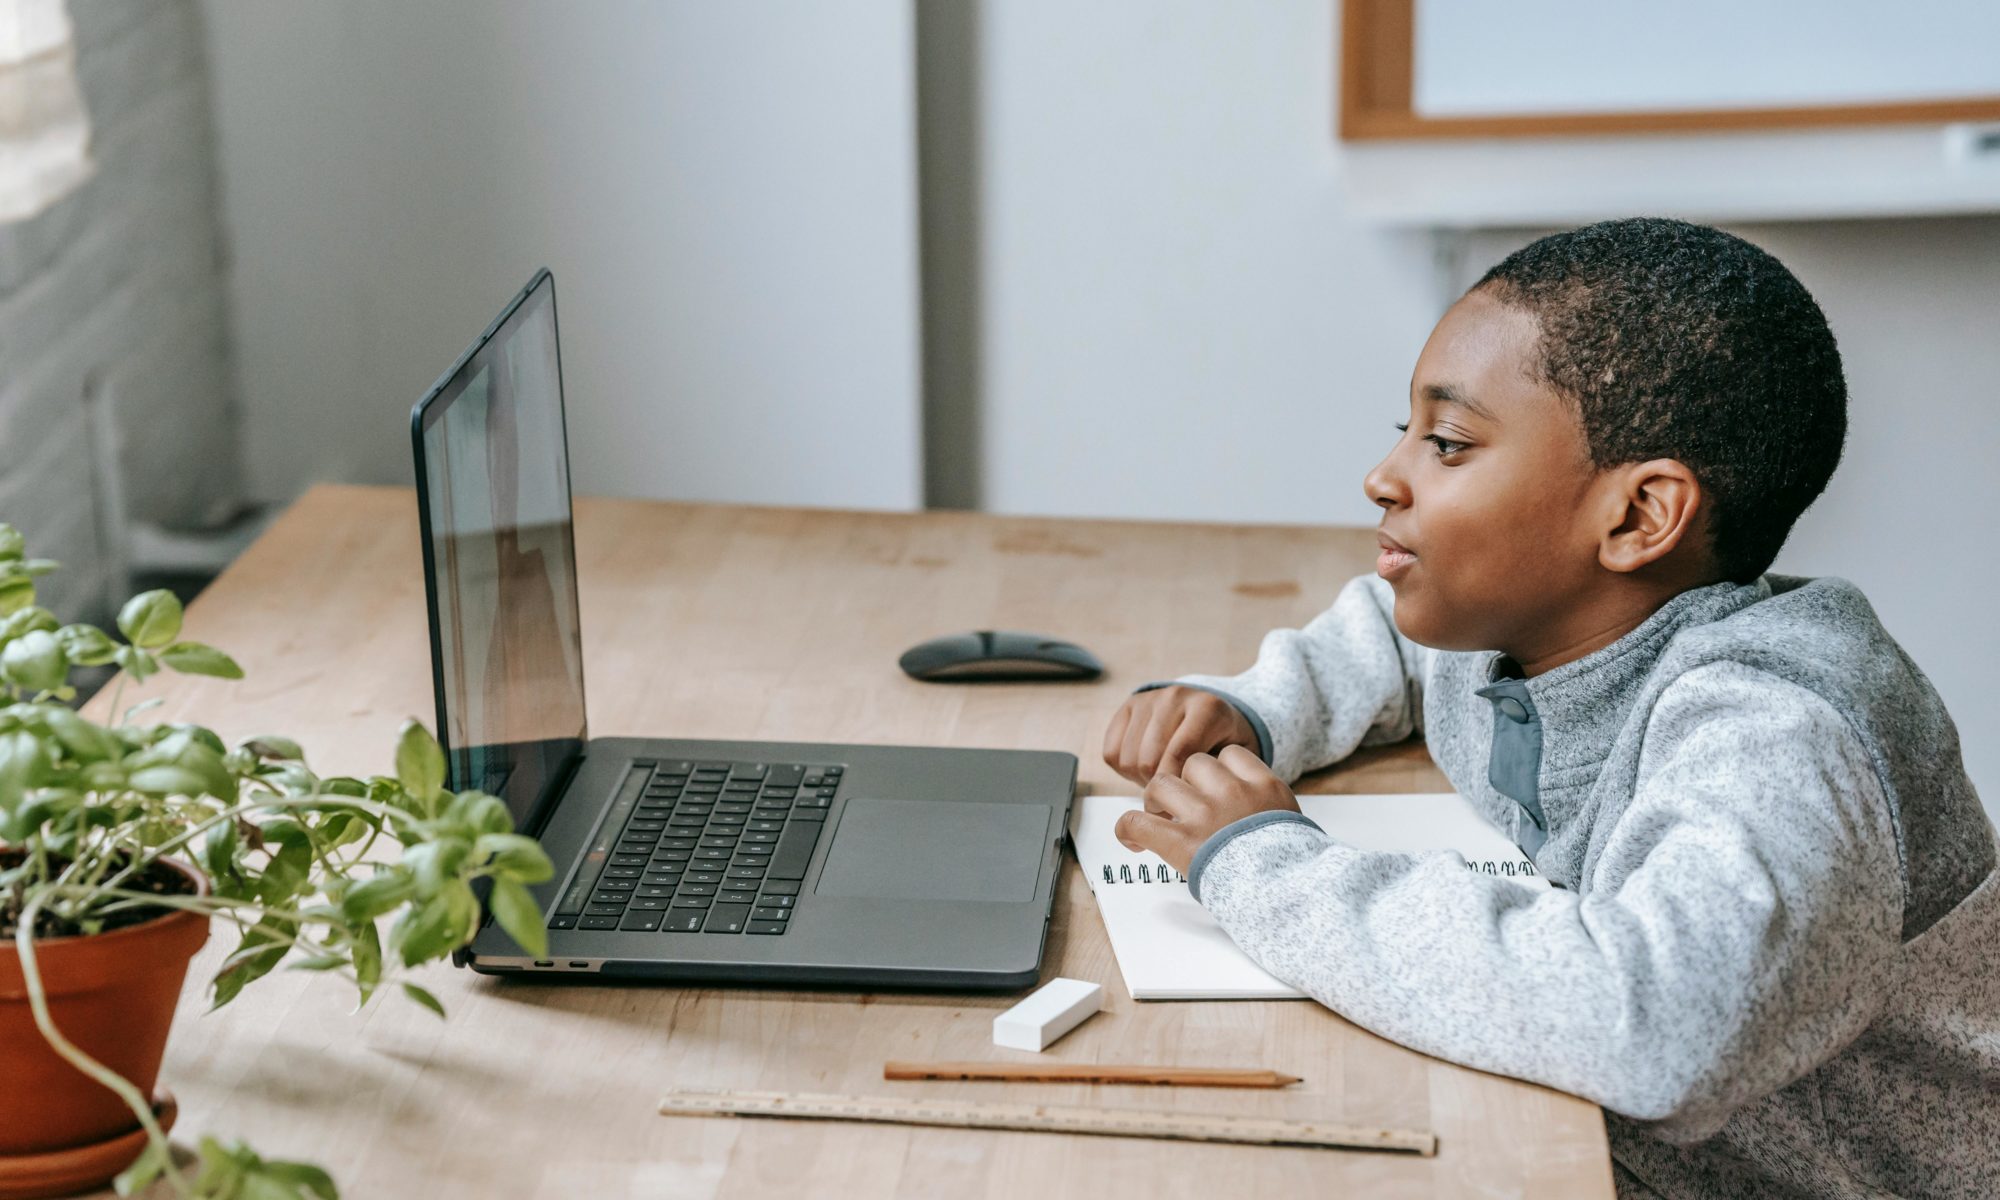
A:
<point x="38" y="1001"/>
<point x="174" y="843"/>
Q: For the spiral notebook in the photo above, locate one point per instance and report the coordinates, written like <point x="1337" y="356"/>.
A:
<point x="1169" y="948"/>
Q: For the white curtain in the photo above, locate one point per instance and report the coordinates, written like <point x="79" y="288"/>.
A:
<point x="44" y="134"/>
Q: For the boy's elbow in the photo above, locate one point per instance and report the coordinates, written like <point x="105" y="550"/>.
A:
<point x="1682" y="1104"/>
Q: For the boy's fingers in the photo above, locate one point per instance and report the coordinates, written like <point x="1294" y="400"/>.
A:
<point x="1128" y="752"/>
<point x="1114" y="734"/>
<point x="1186" y="741"/>
<point x="1207" y="776"/>
<point x="1145" y="831"/>
<point x="1170" y="796"/>
<point x="1153" y="744"/>
<point x="1243" y="763"/>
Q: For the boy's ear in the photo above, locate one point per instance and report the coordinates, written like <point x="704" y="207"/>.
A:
<point x="1652" y="508"/>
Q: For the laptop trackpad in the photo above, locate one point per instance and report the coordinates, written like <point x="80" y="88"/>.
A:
<point x="936" y="850"/>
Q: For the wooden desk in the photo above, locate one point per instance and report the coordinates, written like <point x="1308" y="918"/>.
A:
<point x="728" y="622"/>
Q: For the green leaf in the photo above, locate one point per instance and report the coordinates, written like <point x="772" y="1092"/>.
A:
<point x="260" y="950"/>
<point x="367" y="950"/>
<point x="271" y="746"/>
<point x="419" y="761"/>
<point x="86" y="741"/>
<point x="437" y="926"/>
<point x="143" y="1171"/>
<point x="424" y="998"/>
<point x="12" y="544"/>
<point x="151" y="619"/>
<point x="194" y="658"/>
<point x="87" y="645"/>
<point x="138" y="664"/>
<point x="16" y="593"/>
<point x="35" y="661"/>
<point x="218" y="851"/>
<point x="519" y="915"/>
<point x="437" y="863"/>
<point x="28" y="619"/>
<point x="517" y="857"/>
<point x="375" y="896"/>
<point x="24" y="764"/>
<point x="480" y="813"/>
<point x="302" y="1180"/>
<point x="515" y="908"/>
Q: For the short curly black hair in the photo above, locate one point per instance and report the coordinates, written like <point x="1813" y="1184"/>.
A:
<point x="1681" y="341"/>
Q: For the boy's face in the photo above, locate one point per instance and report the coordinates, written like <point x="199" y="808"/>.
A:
<point x="1486" y="491"/>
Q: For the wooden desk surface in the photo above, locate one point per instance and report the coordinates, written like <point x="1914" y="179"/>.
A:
<point x="728" y="622"/>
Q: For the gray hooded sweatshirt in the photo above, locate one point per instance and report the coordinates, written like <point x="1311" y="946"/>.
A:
<point x="1773" y="951"/>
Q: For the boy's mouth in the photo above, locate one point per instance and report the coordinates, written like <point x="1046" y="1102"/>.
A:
<point x="1395" y="557"/>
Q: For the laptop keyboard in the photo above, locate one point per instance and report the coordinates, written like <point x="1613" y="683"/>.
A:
<point x="705" y="847"/>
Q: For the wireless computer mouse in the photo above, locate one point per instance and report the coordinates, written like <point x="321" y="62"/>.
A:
<point x="989" y="655"/>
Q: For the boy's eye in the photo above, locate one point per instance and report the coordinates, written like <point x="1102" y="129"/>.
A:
<point x="1445" y="446"/>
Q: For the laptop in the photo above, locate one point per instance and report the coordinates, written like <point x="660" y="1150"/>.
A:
<point x="685" y="859"/>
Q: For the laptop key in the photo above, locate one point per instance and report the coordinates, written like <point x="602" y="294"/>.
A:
<point x="746" y="873"/>
<point x="698" y="889"/>
<point x="562" y="922"/>
<point x="693" y="901"/>
<point x="598" y="923"/>
<point x="761" y="913"/>
<point x="727" y="918"/>
<point x="764" y="927"/>
<point x="655" y="891"/>
<point x="781" y="888"/>
<point x="723" y="841"/>
<point x="765" y="826"/>
<point x="645" y="905"/>
<point x="786" y="775"/>
<point x="794" y="851"/>
<point x="752" y="860"/>
<point x="684" y="920"/>
<point x="641" y="923"/>
<point x="702" y="877"/>
<point x="770" y="900"/>
<point x="604" y="910"/>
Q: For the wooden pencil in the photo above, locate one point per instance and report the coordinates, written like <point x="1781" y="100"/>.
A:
<point x="1054" y="1072"/>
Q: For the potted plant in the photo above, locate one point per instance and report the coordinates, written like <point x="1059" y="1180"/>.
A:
<point x="120" y="843"/>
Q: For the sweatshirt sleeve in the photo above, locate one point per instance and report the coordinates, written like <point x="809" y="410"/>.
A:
<point x="1348" y="679"/>
<point x="1739" y="930"/>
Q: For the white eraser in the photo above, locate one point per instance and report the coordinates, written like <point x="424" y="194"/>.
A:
<point x="1053" y="1010"/>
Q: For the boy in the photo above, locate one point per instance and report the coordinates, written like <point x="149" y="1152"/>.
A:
<point x="1770" y="949"/>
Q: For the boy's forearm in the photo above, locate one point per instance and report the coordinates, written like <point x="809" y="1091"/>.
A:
<point x="1739" y="946"/>
<point x="1347" y="679"/>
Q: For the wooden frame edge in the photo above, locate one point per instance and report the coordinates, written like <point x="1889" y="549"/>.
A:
<point x="1377" y="70"/>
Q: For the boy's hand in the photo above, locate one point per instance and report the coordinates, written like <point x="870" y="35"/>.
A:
<point x="1154" y="732"/>
<point x="1182" y="813"/>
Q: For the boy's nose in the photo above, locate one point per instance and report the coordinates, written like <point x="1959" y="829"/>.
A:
<point x="1384" y="485"/>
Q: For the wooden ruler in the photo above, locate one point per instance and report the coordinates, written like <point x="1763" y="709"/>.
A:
<point x="1047" y="1118"/>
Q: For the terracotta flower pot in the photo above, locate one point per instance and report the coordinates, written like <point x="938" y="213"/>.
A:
<point x="113" y="994"/>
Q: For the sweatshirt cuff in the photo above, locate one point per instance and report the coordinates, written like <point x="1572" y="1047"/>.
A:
<point x="1257" y="725"/>
<point x="1235" y="829"/>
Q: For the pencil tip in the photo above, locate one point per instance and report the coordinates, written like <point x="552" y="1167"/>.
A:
<point x="1287" y="1079"/>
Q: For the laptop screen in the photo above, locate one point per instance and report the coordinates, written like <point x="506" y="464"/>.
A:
<point x="500" y="561"/>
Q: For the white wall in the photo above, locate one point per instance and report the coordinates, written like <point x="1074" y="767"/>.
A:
<point x="726" y="194"/>
<point x="1180" y="320"/>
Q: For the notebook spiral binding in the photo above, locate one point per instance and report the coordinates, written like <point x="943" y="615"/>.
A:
<point x="1146" y="873"/>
